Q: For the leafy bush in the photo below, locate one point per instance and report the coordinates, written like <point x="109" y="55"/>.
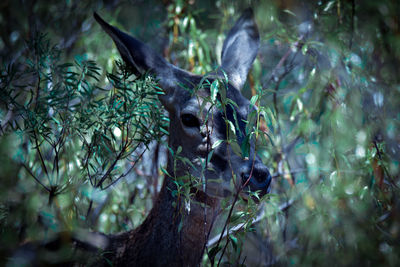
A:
<point x="70" y="137"/>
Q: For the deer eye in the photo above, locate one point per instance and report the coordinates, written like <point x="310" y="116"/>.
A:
<point x="190" y="120"/>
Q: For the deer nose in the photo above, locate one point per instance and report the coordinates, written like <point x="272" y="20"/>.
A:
<point x="258" y="179"/>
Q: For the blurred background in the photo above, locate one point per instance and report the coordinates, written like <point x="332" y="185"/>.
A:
<point x="326" y="80"/>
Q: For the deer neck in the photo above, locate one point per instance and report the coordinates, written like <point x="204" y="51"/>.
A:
<point x="174" y="233"/>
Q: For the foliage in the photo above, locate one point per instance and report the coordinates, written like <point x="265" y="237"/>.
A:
<point x="70" y="136"/>
<point x="327" y="89"/>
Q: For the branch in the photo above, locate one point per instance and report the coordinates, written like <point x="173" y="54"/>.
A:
<point x="283" y="207"/>
<point x="298" y="44"/>
<point x="40" y="154"/>
<point x="34" y="177"/>
<point x="127" y="172"/>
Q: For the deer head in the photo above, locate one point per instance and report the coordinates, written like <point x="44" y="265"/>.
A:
<point x="196" y="127"/>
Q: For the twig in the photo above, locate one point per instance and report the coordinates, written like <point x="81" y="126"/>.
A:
<point x="40" y="155"/>
<point x="298" y="44"/>
<point x="34" y="177"/>
<point x="126" y="173"/>
<point x="226" y="224"/>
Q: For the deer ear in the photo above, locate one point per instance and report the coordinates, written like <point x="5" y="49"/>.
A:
<point x="142" y="58"/>
<point x="240" y="49"/>
<point x="137" y="54"/>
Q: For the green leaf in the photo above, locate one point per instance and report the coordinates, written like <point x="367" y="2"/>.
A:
<point x="214" y="90"/>
<point x="254" y="99"/>
<point x="236" y="217"/>
<point x="245" y="147"/>
<point x="222" y="93"/>
<point x="231" y="128"/>
<point x="209" y="156"/>
<point x="217" y="143"/>
<point x="251" y="120"/>
<point x="164" y="131"/>
<point x="213" y="251"/>
<point x="234" y="241"/>
<point x="236" y="148"/>
<point x="165" y="171"/>
<point x="289" y="12"/>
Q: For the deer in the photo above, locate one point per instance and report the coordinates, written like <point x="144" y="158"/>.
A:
<point x="169" y="236"/>
<point x="176" y="230"/>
